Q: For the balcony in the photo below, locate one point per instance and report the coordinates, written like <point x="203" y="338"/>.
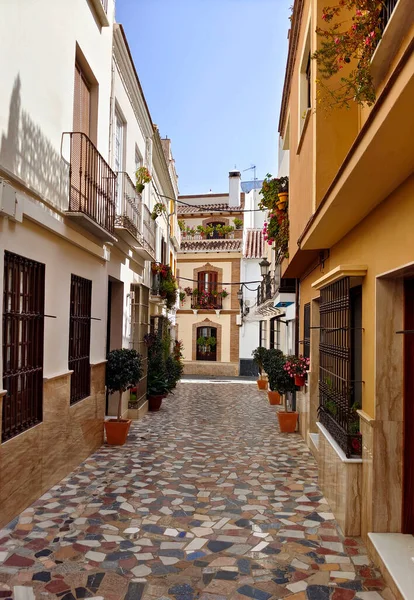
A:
<point x="148" y="239"/>
<point x="276" y="292"/>
<point x="231" y="242"/>
<point x="206" y="301"/>
<point x="92" y="189"/>
<point x="128" y="219"/>
<point x="101" y="11"/>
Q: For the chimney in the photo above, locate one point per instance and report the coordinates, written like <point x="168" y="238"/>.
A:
<point x="234" y="188"/>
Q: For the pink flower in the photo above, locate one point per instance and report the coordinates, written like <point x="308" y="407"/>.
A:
<point x="337" y="40"/>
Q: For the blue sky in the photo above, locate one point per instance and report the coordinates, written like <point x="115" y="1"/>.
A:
<point x="212" y="73"/>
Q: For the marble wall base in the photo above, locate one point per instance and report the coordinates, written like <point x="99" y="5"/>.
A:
<point x="37" y="459"/>
<point x="302" y="406"/>
<point x="340" y="480"/>
<point x="199" y="367"/>
<point x="138" y="413"/>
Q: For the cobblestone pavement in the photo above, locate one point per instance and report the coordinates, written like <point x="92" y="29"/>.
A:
<point x="207" y="501"/>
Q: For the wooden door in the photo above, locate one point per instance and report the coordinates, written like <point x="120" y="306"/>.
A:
<point x="408" y="473"/>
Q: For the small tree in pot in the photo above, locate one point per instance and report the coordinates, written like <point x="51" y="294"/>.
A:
<point x="273" y="362"/>
<point x="258" y="358"/>
<point x="123" y="371"/>
<point x="287" y="419"/>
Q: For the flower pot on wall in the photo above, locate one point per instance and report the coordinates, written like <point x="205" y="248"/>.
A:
<point x="287" y="421"/>
<point x="117" y="431"/>
<point x="274" y="397"/>
<point x="262" y="384"/>
<point x="300" y="380"/>
<point x="283" y="198"/>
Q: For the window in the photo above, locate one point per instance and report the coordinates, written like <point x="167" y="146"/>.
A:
<point x="23" y="335"/>
<point x="207" y="281"/>
<point x="305" y="82"/>
<point x="80" y="337"/>
<point x="306" y="330"/>
<point x="275" y="333"/>
<point x="163" y="251"/>
<point x="263" y="334"/>
<point x="138" y="159"/>
<point x="206" y="343"/>
<point x="340" y="363"/>
<point x="119" y="157"/>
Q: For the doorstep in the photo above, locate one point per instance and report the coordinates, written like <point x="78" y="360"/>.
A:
<point x="394" y="554"/>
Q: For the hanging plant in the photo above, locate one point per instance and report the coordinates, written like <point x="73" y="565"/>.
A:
<point x="188" y="291"/>
<point x="181" y="225"/>
<point x="348" y="41"/>
<point x="158" y="210"/>
<point x="142" y="176"/>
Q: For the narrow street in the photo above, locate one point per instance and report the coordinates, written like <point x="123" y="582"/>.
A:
<point x="206" y="501"/>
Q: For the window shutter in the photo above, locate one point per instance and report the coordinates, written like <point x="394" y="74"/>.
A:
<point x="81" y="103"/>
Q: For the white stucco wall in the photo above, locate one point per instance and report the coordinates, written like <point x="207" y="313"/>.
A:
<point x="37" y="82"/>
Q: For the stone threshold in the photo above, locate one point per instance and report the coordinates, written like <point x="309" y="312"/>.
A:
<point x="220" y="382"/>
<point x="395" y="555"/>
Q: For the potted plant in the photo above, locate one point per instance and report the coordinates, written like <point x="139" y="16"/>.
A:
<point x="238" y="223"/>
<point x="283" y="192"/>
<point x="273" y="361"/>
<point x="288" y="419"/>
<point x="158" y="210"/>
<point x="182" y="297"/>
<point x="157" y="380"/>
<point x="142" y="176"/>
<point x="123" y="372"/>
<point x="224" y="293"/>
<point x="258" y="358"/>
<point x="188" y="291"/>
<point x="297" y="367"/>
<point x="182" y="226"/>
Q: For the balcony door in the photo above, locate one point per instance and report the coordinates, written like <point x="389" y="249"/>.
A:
<point x="207" y="281"/>
<point x="206" y="343"/>
<point x="119" y="159"/>
<point x="408" y="473"/>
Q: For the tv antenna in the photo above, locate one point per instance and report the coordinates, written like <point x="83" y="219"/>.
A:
<point x="252" y="168"/>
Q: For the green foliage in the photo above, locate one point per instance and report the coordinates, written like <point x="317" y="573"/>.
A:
<point x="158" y="210"/>
<point x="201" y="341"/>
<point x="258" y="357"/>
<point x="181" y="224"/>
<point x="182" y="296"/>
<point x="238" y="223"/>
<point x="279" y="379"/>
<point x="123" y="371"/>
<point x="211" y="341"/>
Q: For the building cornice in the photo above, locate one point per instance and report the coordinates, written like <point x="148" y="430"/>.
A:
<point x="293" y="47"/>
<point x="126" y="67"/>
<point x="160" y="166"/>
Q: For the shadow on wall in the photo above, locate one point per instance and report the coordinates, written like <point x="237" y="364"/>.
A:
<point x="29" y="155"/>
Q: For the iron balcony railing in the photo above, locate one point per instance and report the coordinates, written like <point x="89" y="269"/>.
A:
<point x="388" y="7"/>
<point x="206" y="300"/>
<point x="129" y="206"/>
<point x="92" y="182"/>
<point x="272" y="285"/>
<point x="149" y="231"/>
<point x="234" y="235"/>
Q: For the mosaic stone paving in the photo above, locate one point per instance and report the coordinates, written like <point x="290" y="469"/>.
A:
<point x="207" y="501"/>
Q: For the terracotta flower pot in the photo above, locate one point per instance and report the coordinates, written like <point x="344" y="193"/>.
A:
<point x="287" y="421"/>
<point x="262" y="384"/>
<point x="274" y="397"/>
<point x="117" y="431"/>
<point x="300" y="380"/>
<point x="154" y="402"/>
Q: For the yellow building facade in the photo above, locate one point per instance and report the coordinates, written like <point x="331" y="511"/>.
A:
<point x="351" y="246"/>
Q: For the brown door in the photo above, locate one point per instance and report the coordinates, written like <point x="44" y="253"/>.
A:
<point x="81" y="103"/>
<point x="408" y="475"/>
<point x="83" y="159"/>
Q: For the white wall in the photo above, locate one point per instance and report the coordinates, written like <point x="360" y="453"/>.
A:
<point x="37" y="66"/>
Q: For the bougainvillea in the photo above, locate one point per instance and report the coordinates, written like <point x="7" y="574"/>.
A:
<point x="353" y="33"/>
<point x="276" y="228"/>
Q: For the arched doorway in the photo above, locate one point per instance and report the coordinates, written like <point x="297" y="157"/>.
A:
<point x="206" y="343"/>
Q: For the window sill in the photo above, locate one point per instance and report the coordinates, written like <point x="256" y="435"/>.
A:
<point x="397" y="28"/>
<point x="304" y="128"/>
